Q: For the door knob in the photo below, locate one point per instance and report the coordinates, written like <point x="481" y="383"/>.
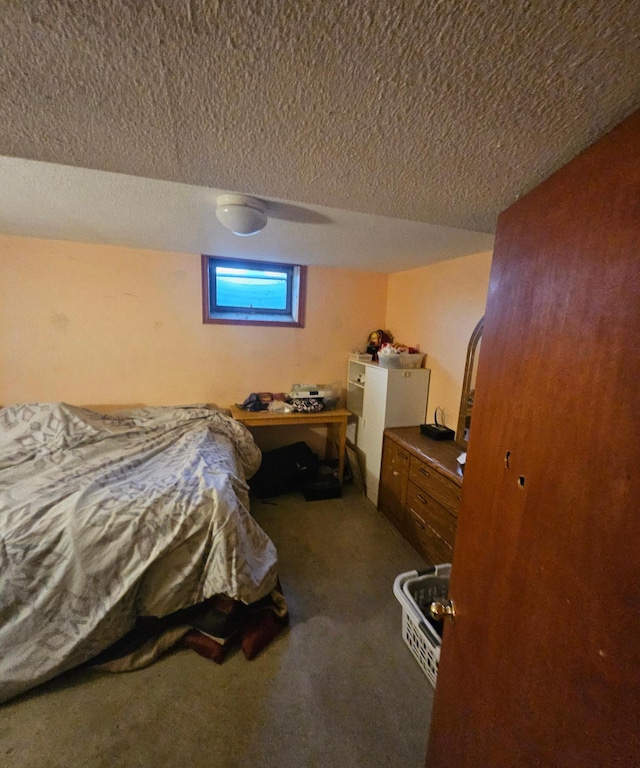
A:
<point x="443" y="610"/>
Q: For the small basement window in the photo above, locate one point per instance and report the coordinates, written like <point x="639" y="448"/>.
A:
<point x="244" y="292"/>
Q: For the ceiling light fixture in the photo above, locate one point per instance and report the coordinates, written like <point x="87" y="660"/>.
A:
<point x="241" y="214"/>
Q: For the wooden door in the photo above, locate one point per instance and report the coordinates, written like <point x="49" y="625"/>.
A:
<point x="542" y="664"/>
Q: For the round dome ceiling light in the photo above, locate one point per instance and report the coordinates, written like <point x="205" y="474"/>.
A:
<point x="241" y="214"/>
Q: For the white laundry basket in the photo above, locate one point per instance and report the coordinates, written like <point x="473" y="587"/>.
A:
<point x="415" y="591"/>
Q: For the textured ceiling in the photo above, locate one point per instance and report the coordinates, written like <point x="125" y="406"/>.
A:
<point x="441" y="112"/>
<point x="60" y="202"/>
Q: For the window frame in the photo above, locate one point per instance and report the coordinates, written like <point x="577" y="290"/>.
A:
<point x="292" y="317"/>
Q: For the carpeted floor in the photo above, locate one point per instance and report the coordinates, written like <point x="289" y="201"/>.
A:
<point x="338" y="688"/>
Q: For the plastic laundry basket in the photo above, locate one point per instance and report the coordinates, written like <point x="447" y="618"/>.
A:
<point x="415" y="591"/>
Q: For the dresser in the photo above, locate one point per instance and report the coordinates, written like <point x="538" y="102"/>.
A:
<point x="420" y="489"/>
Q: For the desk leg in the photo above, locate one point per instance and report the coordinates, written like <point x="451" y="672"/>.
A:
<point x="342" y="448"/>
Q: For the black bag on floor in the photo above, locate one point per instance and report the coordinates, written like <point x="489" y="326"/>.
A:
<point x="283" y="470"/>
<point x="325" y="485"/>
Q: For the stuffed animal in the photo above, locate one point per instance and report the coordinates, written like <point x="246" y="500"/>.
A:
<point x="376" y="340"/>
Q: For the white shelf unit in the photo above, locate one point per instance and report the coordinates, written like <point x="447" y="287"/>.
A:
<point x="388" y="397"/>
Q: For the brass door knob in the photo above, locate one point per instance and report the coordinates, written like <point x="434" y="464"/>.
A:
<point x="442" y="610"/>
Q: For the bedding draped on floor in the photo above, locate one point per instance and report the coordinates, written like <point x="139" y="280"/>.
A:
<point x="105" y="518"/>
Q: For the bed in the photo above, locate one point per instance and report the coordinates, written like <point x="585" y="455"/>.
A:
<point x="106" y="517"/>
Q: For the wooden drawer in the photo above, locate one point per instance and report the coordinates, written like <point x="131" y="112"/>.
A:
<point x="444" y="491"/>
<point x="393" y="481"/>
<point x="427" y="541"/>
<point x="432" y="513"/>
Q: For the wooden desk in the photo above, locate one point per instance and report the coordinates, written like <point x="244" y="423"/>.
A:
<point x="338" y="416"/>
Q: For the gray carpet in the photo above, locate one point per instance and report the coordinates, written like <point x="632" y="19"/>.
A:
<point x="338" y="688"/>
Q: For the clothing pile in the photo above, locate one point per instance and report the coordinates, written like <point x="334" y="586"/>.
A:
<point x="210" y="628"/>
<point x="303" y="398"/>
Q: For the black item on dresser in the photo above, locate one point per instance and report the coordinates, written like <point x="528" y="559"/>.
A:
<point x="437" y="432"/>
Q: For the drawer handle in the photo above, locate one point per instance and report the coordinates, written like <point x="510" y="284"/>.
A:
<point x="402" y="455"/>
<point x="421" y="498"/>
<point x="418" y="521"/>
<point x="423" y="471"/>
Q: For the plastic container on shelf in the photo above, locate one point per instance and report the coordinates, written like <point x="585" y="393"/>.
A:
<point x="415" y="591"/>
<point x="402" y="360"/>
<point x="360" y="357"/>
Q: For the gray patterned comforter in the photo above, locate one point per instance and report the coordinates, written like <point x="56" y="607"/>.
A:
<point x="104" y="518"/>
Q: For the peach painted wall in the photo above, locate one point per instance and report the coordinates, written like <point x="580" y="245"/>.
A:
<point x="438" y="307"/>
<point x="95" y="324"/>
